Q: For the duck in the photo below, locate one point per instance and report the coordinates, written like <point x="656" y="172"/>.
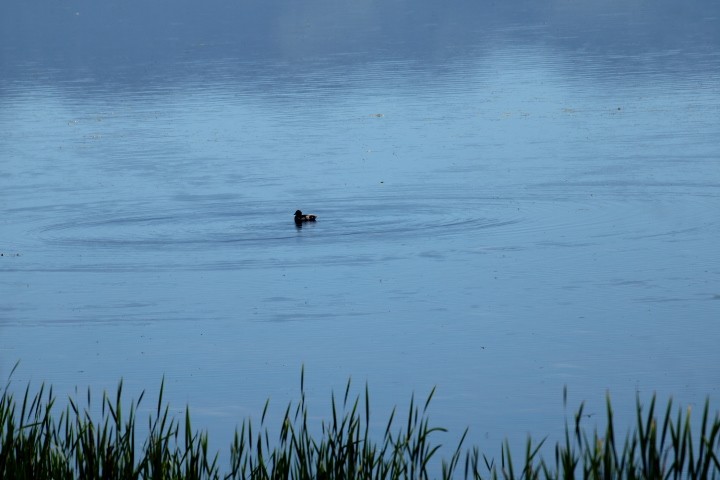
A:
<point x="301" y="217"/>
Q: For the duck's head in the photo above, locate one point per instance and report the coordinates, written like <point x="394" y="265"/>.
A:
<point x="298" y="213"/>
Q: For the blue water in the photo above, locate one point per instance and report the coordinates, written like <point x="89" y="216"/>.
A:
<point x="510" y="200"/>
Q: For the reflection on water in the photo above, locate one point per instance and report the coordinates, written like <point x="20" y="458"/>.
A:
<point x="528" y="204"/>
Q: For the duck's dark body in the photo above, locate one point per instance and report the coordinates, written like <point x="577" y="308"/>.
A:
<point x="300" y="217"/>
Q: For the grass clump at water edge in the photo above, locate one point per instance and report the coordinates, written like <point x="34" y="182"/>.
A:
<point x="38" y="443"/>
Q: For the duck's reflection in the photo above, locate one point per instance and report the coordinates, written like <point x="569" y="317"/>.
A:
<point x="300" y="225"/>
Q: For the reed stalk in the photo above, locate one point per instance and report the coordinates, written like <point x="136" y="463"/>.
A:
<point x="38" y="443"/>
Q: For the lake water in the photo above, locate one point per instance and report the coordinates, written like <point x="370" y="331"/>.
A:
<point x="511" y="199"/>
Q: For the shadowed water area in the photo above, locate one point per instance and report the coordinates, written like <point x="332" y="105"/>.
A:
<point x="511" y="198"/>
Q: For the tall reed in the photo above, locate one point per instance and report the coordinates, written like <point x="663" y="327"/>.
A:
<point x="38" y="443"/>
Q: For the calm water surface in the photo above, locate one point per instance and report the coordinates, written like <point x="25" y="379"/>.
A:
<point x="504" y="208"/>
